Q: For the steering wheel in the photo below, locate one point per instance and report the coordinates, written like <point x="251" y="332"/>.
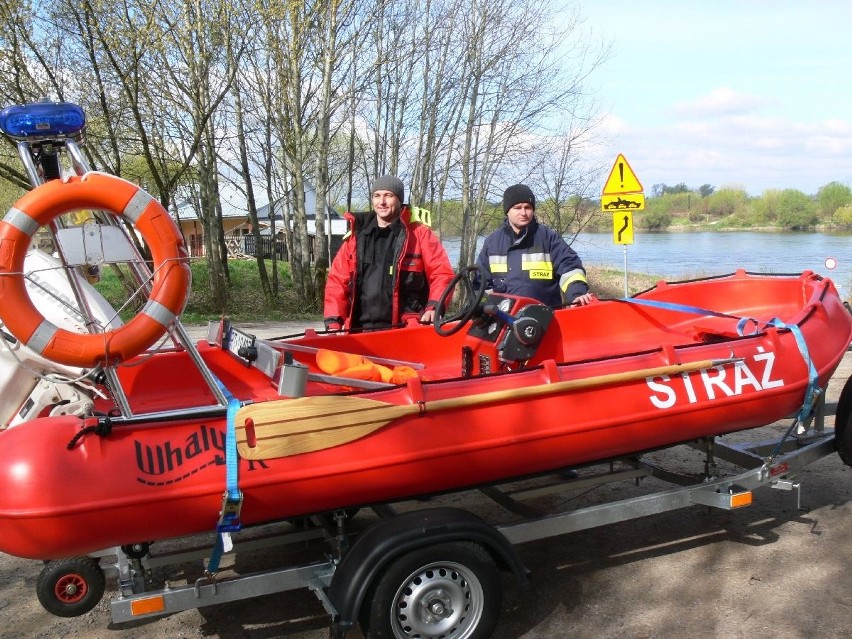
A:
<point x="471" y="300"/>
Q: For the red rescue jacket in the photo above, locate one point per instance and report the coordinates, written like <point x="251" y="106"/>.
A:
<point x="421" y="273"/>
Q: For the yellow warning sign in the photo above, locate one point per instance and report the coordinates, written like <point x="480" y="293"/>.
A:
<point x="621" y="179"/>
<point x="622" y="227"/>
<point x="625" y="202"/>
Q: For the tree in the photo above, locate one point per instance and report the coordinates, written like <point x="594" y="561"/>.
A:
<point x="656" y="220"/>
<point x="677" y="188"/>
<point x="842" y="218"/>
<point x="726" y="201"/>
<point x="567" y="180"/>
<point x="706" y="190"/>
<point x="831" y="197"/>
<point x="336" y="37"/>
<point x="9" y="194"/>
<point x="796" y="211"/>
<point x="160" y="78"/>
<point x="440" y="109"/>
<point x="195" y="38"/>
<point x="512" y="92"/>
<point x="245" y="169"/>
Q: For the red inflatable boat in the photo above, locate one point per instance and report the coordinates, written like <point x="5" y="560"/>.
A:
<point x="334" y="421"/>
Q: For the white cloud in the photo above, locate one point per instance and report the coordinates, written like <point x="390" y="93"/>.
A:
<point x="720" y="101"/>
<point x="611" y="125"/>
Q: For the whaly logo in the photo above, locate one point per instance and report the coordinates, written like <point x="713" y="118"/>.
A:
<point x="170" y="462"/>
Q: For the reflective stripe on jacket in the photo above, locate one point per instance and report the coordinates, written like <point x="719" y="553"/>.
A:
<point x="538" y="263"/>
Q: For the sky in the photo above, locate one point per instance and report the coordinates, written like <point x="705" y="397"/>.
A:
<point x="754" y="94"/>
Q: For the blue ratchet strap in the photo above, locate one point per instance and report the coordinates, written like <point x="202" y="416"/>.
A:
<point x="813" y="390"/>
<point x="671" y="306"/>
<point x="232" y="499"/>
<point x="695" y="310"/>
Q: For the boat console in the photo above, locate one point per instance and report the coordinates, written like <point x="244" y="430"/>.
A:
<point x="515" y="324"/>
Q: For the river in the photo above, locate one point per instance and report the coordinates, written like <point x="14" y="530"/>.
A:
<point x="693" y="254"/>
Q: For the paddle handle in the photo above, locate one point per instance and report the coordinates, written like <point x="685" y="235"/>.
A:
<point x="573" y="384"/>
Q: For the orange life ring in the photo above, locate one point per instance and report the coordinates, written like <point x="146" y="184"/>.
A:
<point x="121" y="198"/>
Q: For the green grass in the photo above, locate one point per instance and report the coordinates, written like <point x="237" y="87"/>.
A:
<point x="245" y="295"/>
<point x="608" y="283"/>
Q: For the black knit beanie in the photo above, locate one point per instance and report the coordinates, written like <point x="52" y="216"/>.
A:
<point x="517" y="194"/>
<point x="390" y="183"/>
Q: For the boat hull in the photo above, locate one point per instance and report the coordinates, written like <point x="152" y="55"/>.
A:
<point x="149" y="481"/>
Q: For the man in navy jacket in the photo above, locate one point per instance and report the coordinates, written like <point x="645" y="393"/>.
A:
<point x="529" y="259"/>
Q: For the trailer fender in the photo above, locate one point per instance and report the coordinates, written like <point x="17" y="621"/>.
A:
<point x="382" y="542"/>
<point x="842" y="426"/>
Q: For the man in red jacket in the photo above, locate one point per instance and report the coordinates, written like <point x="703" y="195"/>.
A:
<point x="391" y="268"/>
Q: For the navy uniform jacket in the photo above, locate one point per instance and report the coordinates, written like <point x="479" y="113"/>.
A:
<point x="538" y="263"/>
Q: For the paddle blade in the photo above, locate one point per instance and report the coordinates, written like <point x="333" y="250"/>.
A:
<point x="280" y="428"/>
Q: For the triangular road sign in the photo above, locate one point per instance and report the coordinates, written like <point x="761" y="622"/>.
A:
<point x="621" y="179"/>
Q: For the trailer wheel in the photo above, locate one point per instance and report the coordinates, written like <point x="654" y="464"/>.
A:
<point x="842" y="426"/>
<point x="70" y="587"/>
<point x="450" y="590"/>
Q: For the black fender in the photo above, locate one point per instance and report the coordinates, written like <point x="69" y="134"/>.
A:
<point x="389" y="538"/>
<point x="843" y="423"/>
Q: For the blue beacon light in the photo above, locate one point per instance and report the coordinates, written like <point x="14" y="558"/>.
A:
<point x="42" y="120"/>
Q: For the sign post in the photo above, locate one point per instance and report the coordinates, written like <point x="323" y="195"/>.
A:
<point x="622" y="194"/>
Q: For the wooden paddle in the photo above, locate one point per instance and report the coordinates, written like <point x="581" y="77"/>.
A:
<point x="279" y="428"/>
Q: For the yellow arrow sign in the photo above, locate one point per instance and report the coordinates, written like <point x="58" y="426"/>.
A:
<point x="622" y="227"/>
<point x="621" y="179"/>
